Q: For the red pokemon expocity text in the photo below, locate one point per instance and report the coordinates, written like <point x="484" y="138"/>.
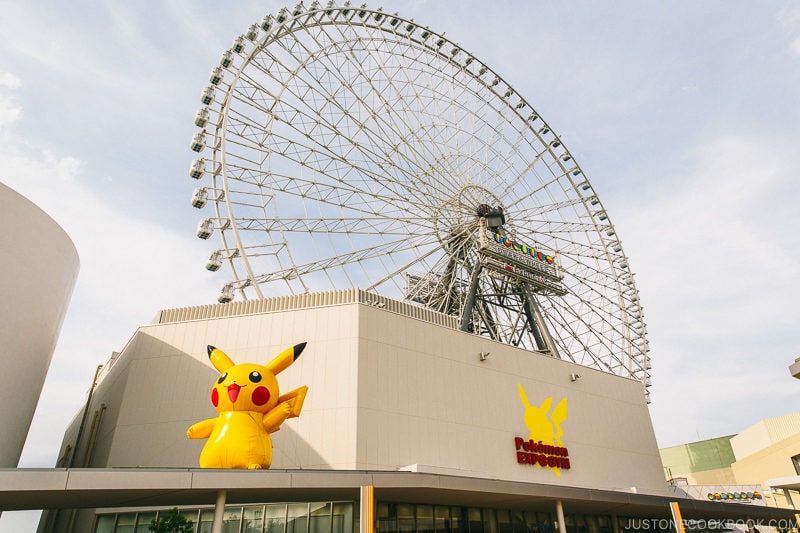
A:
<point x="535" y="453"/>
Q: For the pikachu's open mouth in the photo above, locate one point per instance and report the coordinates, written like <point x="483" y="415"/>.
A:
<point x="233" y="392"/>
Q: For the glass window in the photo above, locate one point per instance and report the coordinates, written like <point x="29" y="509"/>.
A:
<point x="387" y="523"/>
<point x="126" y="522"/>
<point x="297" y="518"/>
<point x="275" y="518"/>
<point x="576" y="523"/>
<point x="546" y="522"/>
<point x="105" y="523"/>
<point x="342" y="517"/>
<point x="191" y="516"/>
<point x="143" y="522"/>
<point x="319" y="518"/>
<point x="231" y="520"/>
<point x="518" y="523"/>
<point x="253" y="519"/>
<point x="474" y="520"/>
<point x="405" y="518"/>
<point x="441" y="519"/>
<point x="597" y="524"/>
<point x="206" y="521"/>
<point x="796" y="463"/>
<point x="424" y="518"/>
<point x="456" y="522"/>
<point x="489" y="521"/>
<point x="504" y="522"/>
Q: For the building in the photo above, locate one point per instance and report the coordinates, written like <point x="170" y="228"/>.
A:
<point x="40" y="268"/>
<point x="770" y="450"/>
<point x="765" y="457"/>
<point x="409" y="425"/>
<point x="706" y="462"/>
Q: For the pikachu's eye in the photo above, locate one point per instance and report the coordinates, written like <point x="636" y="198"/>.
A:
<point x="222" y="378"/>
<point x="255" y="377"/>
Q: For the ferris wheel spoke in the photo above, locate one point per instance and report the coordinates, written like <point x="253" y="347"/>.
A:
<point x="356" y="256"/>
<point x="335" y="185"/>
<point x="549" y="208"/>
<point x="600" y="336"/>
<point x="376" y="136"/>
<point x="377" y="113"/>
<point x="408" y="119"/>
<point x="395" y="106"/>
<point x="294" y="151"/>
<point x="518" y="177"/>
<point x="258" y="250"/>
<point x="368" y="226"/>
<point x="434" y="134"/>
<point x="588" y="348"/>
<point x="404" y="268"/>
<point x="556" y="227"/>
<point x="340" y="193"/>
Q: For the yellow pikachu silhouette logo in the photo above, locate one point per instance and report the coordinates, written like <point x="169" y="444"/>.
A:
<point x="544" y="446"/>
<point x="250" y="407"/>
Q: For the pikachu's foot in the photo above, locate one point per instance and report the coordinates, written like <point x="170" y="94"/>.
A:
<point x="254" y="466"/>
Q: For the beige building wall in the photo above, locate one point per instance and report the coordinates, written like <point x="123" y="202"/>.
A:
<point x="770" y="462"/>
<point x="765" y="433"/>
<point x="40" y="266"/>
<point x="386" y="391"/>
<point x="718" y="476"/>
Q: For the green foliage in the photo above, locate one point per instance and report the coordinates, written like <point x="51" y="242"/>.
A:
<point x="172" y="522"/>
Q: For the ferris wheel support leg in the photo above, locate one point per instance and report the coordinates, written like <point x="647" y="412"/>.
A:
<point x="472" y="295"/>
<point x="541" y="345"/>
<point x="538" y="327"/>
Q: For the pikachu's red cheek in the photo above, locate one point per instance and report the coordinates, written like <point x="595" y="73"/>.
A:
<point x="214" y="397"/>
<point x="260" y="396"/>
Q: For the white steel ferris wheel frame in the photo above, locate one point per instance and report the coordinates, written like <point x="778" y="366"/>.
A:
<point x="352" y="148"/>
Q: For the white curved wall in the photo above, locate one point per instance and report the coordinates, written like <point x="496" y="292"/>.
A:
<point x="39" y="269"/>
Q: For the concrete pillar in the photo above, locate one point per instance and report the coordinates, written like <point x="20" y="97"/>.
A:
<point x="562" y="526"/>
<point x="367" y="509"/>
<point x="788" y="495"/>
<point x="219" y="511"/>
<point x="677" y="518"/>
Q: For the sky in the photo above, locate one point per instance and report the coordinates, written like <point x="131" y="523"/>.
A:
<point x="684" y="116"/>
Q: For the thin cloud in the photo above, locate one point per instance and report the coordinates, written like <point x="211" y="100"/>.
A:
<point x="9" y="80"/>
<point x="10" y="110"/>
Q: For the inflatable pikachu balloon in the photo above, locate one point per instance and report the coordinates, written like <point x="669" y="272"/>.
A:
<point x="250" y="407"/>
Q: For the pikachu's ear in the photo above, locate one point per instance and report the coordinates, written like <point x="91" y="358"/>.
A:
<point x="523" y="396"/>
<point x="546" y="404"/>
<point x="218" y="358"/>
<point x="559" y="412"/>
<point x="282" y="361"/>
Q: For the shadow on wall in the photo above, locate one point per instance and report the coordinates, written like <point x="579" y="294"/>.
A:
<point x="145" y="400"/>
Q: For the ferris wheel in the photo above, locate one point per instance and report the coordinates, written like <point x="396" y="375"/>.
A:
<point x="346" y="147"/>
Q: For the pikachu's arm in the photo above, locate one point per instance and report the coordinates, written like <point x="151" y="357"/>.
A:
<point x="201" y="430"/>
<point x="289" y="406"/>
<point x="295" y="399"/>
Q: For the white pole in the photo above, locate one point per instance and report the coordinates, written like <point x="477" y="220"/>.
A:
<point x="219" y="510"/>
<point x="367" y="511"/>
<point x="562" y="526"/>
